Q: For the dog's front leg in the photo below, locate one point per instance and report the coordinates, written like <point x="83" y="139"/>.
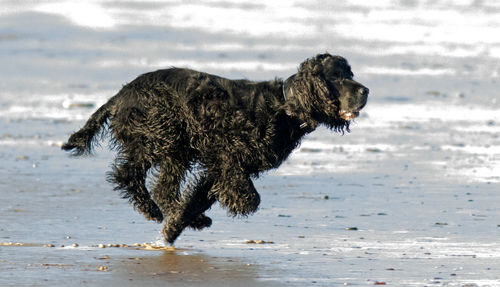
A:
<point x="189" y="211"/>
<point x="236" y="192"/>
<point x="166" y="192"/>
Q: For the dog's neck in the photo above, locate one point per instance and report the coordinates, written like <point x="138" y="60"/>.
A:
<point x="288" y="112"/>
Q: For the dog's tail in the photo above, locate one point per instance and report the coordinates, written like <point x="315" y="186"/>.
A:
<point x="82" y="141"/>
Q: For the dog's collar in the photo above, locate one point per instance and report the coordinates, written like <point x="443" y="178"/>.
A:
<point x="284" y="89"/>
<point x="288" y="113"/>
<point x="284" y="92"/>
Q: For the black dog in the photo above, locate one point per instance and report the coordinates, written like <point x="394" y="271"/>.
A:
<point x="229" y="131"/>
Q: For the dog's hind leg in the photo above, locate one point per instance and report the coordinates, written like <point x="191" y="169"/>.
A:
<point x="129" y="177"/>
<point x="189" y="212"/>
<point x="166" y="192"/>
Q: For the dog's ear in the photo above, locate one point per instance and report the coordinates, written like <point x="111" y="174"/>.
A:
<point x="310" y="88"/>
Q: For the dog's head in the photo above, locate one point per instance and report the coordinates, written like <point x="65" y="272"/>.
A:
<point x="326" y="89"/>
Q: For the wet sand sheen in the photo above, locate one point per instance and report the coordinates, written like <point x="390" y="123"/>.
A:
<point x="136" y="246"/>
<point x="144" y="264"/>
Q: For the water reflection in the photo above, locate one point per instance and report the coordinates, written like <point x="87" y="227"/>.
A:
<point x="185" y="268"/>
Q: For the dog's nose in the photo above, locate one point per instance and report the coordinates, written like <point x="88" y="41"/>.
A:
<point x="364" y="91"/>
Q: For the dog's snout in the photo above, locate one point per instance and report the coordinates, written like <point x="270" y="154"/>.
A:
<point x="364" y="91"/>
<point x="363" y="96"/>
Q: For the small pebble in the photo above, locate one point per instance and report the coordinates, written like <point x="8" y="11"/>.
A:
<point x="75" y="245"/>
<point x="102" y="268"/>
<point x="102" y="246"/>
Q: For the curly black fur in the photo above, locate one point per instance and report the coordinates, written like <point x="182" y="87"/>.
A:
<point x="231" y="130"/>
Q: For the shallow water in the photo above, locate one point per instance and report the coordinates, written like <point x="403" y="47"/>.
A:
<point x="409" y="197"/>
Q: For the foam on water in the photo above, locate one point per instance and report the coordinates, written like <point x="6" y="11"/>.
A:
<point x="198" y="65"/>
<point x="72" y="107"/>
<point x="382" y="114"/>
<point x="81" y="13"/>
<point x="407" y="72"/>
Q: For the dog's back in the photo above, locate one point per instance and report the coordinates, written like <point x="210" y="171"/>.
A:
<point x="190" y="112"/>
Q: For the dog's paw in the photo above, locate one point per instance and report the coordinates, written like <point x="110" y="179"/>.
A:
<point x="172" y="230"/>
<point x="200" y="222"/>
<point x="151" y="211"/>
<point x="240" y="204"/>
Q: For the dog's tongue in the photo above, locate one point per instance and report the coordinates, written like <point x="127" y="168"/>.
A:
<point x="346" y="115"/>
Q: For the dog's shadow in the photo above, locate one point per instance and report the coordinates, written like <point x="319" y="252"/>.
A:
<point x="185" y="268"/>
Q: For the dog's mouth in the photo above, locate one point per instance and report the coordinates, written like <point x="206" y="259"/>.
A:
<point x="348" y="115"/>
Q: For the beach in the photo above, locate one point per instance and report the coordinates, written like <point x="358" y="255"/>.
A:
<point x="409" y="197"/>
